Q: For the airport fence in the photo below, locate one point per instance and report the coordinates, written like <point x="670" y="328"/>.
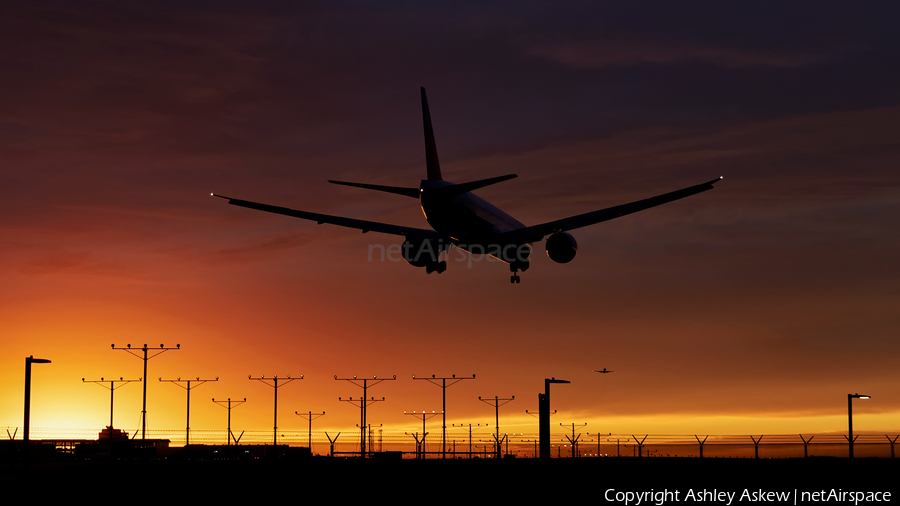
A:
<point x="346" y="442"/>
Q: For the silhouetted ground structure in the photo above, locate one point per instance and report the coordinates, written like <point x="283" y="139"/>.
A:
<point x="87" y="452"/>
<point x="466" y="479"/>
<point x="72" y="450"/>
<point x="121" y="467"/>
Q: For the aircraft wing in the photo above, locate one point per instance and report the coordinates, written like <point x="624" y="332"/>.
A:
<point x="538" y="232"/>
<point x="363" y="225"/>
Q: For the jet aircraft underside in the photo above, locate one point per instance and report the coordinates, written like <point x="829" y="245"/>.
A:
<point x="460" y="218"/>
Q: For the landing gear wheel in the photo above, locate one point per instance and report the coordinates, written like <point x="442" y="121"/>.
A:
<point x="515" y="275"/>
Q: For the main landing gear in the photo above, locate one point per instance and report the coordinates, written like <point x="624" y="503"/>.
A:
<point x="514" y="279"/>
<point x="437" y="267"/>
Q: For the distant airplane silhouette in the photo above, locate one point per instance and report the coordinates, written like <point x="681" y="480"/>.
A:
<point x="603" y="371"/>
<point x="460" y="218"/>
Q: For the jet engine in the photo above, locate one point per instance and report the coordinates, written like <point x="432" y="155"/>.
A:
<point x="423" y="253"/>
<point x="561" y="247"/>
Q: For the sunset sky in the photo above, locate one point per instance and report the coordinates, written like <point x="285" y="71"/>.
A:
<point x="752" y="308"/>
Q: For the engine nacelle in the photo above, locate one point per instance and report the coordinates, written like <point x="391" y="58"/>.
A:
<point x="421" y="252"/>
<point x="561" y="247"/>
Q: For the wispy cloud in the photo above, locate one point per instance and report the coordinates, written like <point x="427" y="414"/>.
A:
<point x="257" y="249"/>
<point x="599" y="54"/>
<point x="75" y="263"/>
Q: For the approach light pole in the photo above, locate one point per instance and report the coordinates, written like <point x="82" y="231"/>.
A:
<point x="424" y="416"/>
<point x="574" y="439"/>
<point x="443" y="384"/>
<point x="229" y="404"/>
<point x="850" y="398"/>
<point x="309" y="417"/>
<point x="178" y="381"/>
<point x="497" y="403"/>
<point x="362" y="403"/>
<point x="470" y="436"/>
<point x="162" y="349"/>
<point x="28" y="361"/>
<point x="273" y="382"/>
<point x="112" y="387"/>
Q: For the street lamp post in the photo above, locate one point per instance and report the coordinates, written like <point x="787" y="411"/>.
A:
<point x="28" y="361"/>
<point x="850" y="398"/>
<point x="544" y="416"/>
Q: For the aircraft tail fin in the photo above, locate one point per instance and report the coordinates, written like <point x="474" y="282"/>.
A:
<point x="431" y="158"/>
<point x="399" y="190"/>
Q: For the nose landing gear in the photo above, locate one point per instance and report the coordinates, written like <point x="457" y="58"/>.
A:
<point x="514" y="279"/>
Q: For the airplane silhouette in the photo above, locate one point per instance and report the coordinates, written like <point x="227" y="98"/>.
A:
<point x="460" y="218"/>
<point x="603" y="371"/>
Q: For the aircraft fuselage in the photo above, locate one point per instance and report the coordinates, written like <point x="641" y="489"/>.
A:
<point x="473" y="223"/>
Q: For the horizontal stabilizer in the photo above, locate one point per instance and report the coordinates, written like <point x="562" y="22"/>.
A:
<point x="459" y="189"/>
<point x="399" y="190"/>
